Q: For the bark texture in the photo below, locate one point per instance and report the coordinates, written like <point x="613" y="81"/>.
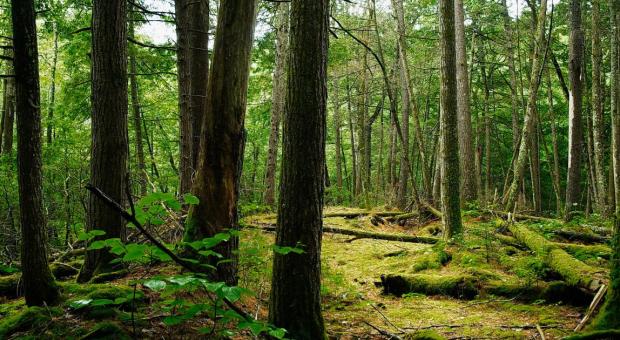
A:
<point x="295" y="302"/>
<point x="186" y="170"/>
<point x="109" y="145"/>
<point x="598" y="125"/>
<point x="222" y="138"/>
<point x="39" y="285"/>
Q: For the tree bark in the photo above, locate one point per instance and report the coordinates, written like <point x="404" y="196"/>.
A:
<point x="52" y="93"/>
<point x="186" y="167"/>
<point x="338" y="135"/>
<point x="278" y="97"/>
<point x="598" y="125"/>
<point x="295" y="302"/>
<point x="9" y="116"/>
<point x="39" y="286"/>
<point x="223" y="135"/>
<point x="575" y="128"/>
<point x="538" y="61"/>
<point x="450" y="197"/>
<point x="466" y="146"/>
<point x="555" y="173"/>
<point x="513" y="77"/>
<point x="109" y="146"/>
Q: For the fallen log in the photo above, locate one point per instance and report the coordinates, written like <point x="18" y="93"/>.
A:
<point x="576" y="250"/>
<point x="468" y="287"/>
<point x="523" y="217"/>
<point x="359" y="234"/>
<point x="589" y="238"/>
<point x="9" y="285"/>
<point x="572" y="270"/>
<point x="403" y="217"/>
<point x="354" y="214"/>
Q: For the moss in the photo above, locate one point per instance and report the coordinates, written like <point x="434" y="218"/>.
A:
<point x="596" y="335"/>
<point x="455" y="285"/>
<point x="107" y="330"/>
<point x="33" y="319"/>
<point x="109" y="276"/>
<point x="64" y="270"/>
<point x="9" y="285"/>
<point x="424" y="335"/>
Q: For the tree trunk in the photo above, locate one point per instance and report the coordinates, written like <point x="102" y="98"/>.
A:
<point x="223" y="135"/>
<point x="538" y="62"/>
<point x="555" y="173"/>
<point x="186" y="167"/>
<point x="38" y="281"/>
<point x="466" y="146"/>
<point x="598" y="125"/>
<point x="353" y="153"/>
<point x="52" y="95"/>
<point x="137" y="117"/>
<point x="513" y="78"/>
<point x="295" y="302"/>
<point x="450" y="197"/>
<point x="535" y="164"/>
<point x="575" y="128"/>
<point x="9" y="116"/>
<point x="338" y="142"/>
<point x="109" y="146"/>
<point x="278" y="97"/>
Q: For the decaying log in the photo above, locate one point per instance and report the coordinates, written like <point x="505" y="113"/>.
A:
<point x="523" y="217"/>
<point x="597" y="250"/>
<point x="359" y="234"/>
<point x="586" y="237"/>
<point x="572" y="270"/>
<point x="354" y="214"/>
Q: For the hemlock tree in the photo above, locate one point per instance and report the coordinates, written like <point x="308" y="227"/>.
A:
<point x="295" y="302"/>
<point x="186" y="167"/>
<point x="109" y="146"/>
<point x="575" y="125"/>
<point x="223" y="137"/>
<point x="39" y="285"/>
<point x="449" y="154"/>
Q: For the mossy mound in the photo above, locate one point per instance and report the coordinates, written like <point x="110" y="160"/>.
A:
<point x="424" y="335"/>
<point x="107" y="330"/>
<point x="65" y="270"/>
<point x="611" y="334"/>
<point x="33" y="319"/>
<point x="9" y="285"/>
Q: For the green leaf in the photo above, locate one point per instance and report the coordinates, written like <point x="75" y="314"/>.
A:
<point x="255" y="327"/>
<point x="173" y="320"/>
<point x="232" y="294"/>
<point x="208" y="253"/>
<point x="277" y="333"/>
<point x="213" y="286"/>
<point x="287" y="250"/>
<point x="155" y="285"/>
<point x="101" y="302"/>
<point x="190" y="199"/>
<point x="135" y="252"/>
<point x="120" y="300"/>
<point x="182" y="280"/>
<point x="77" y="304"/>
<point x="97" y="245"/>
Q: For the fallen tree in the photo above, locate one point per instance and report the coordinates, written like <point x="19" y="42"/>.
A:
<point x="572" y="270"/>
<point x="577" y="250"/>
<point x="359" y="234"/>
<point x="585" y="237"/>
<point x="522" y="217"/>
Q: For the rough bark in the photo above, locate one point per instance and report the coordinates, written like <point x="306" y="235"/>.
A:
<point x="514" y="99"/>
<point x="295" y="302"/>
<point x="466" y="145"/>
<point x="9" y="116"/>
<point x="109" y="146"/>
<point x="555" y="173"/>
<point x="223" y="136"/>
<point x="538" y="61"/>
<point x="186" y="169"/>
<point x="575" y="128"/>
<point x="52" y="93"/>
<point x="338" y="135"/>
<point x="38" y="282"/>
<point x="278" y="101"/>
<point x="450" y="197"/>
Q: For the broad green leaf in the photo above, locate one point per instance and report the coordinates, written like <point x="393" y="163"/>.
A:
<point x="155" y="285"/>
<point x="77" y="304"/>
<point x="190" y="199"/>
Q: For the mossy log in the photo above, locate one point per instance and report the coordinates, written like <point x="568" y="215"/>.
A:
<point x="587" y="237"/>
<point x="359" y="234"/>
<point x="354" y="214"/>
<point x="577" y="250"/>
<point x="572" y="270"/>
<point x="9" y="285"/>
<point x="61" y="270"/>
<point x="595" y="335"/>
<point x="403" y="217"/>
<point x="109" y="276"/>
<point x="469" y="286"/>
<point x="69" y="254"/>
<point x="523" y="217"/>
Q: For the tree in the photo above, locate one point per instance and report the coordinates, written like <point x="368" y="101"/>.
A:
<point x="597" y="109"/>
<point x="186" y="166"/>
<point x="8" y="120"/>
<point x="278" y="95"/>
<point x="449" y="154"/>
<point x="466" y="147"/>
<point x="109" y="148"/>
<point x="295" y="302"/>
<point x="575" y="125"/>
<point x="222" y="138"/>
<point x="39" y="285"/>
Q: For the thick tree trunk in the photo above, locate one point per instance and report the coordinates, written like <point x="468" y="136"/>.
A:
<point x="538" y="62"/>
<point x="137" y="118"/>
<point x="109" y="146"/>
<point x="223" y="136"/>
<point x="278" y="97"/>
<point x="186" y="167"/>
<point x="52" y="93"/>
<point x="598" y="125"/>
<point x="450" y="197"/>
<point x="295" y="302"/>
<point x="466" y="145"/>
<point x="39" y="286"/>
<point x="575" y="128"/>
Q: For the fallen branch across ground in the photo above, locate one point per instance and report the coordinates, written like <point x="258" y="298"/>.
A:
<point x="359" y="234"/>
<point x="586" y="237"/>
<point x="523" y="217"/>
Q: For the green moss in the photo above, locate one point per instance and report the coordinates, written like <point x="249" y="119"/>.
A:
<point x="64" y="270"/>
<point x="109" y="276"/>
<point x="33" y="319"/>
<point x="595" y="335"/>
<point x="424" y="335"/>
<point x="9" y="285"/>
<point x="455" y="285"/>
<point x="107" y="330"/>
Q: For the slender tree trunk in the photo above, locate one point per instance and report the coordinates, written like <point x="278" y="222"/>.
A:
<point x="513" y="77"/>
<point x="598" y="125"/>
<point x="337" y="124"/>
<point x="278" y="100"/>
<point x="555" y="173"/>
<point x="137" y="118"/>
<point x="38" y="281"/>
<point x="52" y="93"/>
<point x="223" y="136"/>
<point x="295" y="302"/>
<point x="575" y="128"/>
<point x="3" y="112"/>
<point x="538" y="62"/>
<point x="186" y="166"/>
<point x="109" y="146"/>
<point x="450" y="197"/>
<point x="466" y="146"/>
<point x="9" y="116"/>
<point x="354" y="191"/>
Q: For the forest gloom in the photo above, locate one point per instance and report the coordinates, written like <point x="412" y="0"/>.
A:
<point x="310" y="169"/>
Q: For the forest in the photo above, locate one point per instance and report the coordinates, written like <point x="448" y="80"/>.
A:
<point x="310" y="169"/>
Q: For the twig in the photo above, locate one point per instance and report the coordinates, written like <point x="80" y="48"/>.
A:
<point x="383" y="332"/>
<point x="595" y="302"/>
<point x="540" y="331"/>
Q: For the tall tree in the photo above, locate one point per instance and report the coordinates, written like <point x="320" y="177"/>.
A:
<point x="109" y="147"/>
<point x="466" y="145"/>
<point x="52" y="93"/>
<point x="186" y="166"/>
<point x="338" y="134"/>
<point x="278" y="95"/>
<point x="448" y="120"/>
<point x="295" y="302"/>
<point x="9" y="115"/>
<point x="538" y="61"/>
<point x="39" y="285"/>
<point x="575" y="125"/>
<point x="223" y="137"/>
<point x="514" y="99"/>
<point x="597" y="109"/>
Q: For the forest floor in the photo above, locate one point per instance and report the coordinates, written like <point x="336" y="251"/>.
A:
<point x="480" y="289"/>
